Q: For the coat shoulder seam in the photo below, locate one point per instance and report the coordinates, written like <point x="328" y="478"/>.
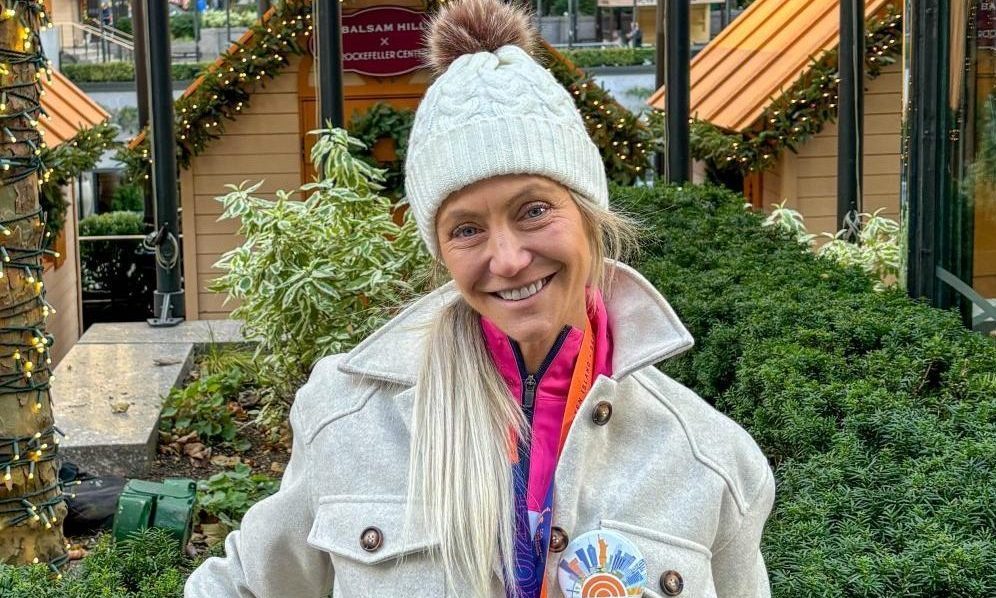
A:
<point x="735" y="491"/>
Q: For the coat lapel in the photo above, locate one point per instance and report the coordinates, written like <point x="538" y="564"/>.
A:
<point x="645" y="330"/>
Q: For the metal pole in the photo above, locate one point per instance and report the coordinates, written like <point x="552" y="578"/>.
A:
<point x="636" y="19"/>
<point x="197" y="31"/>
<point x="574" y="21"/>
<point x="570" y="29"/>
<point x="679" y="168"/>
<point x="328" y="28"/>
<point x="924" y="172"/>
<point x="727" y="12"/>
<point x="660" y="70"/>
<point x="142" y="92"/>
<point x="850" y="116"/>
<point x="168" y="296"/>
<point x="228" y="19"/>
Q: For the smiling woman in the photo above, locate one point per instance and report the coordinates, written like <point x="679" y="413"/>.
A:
<point x="518" y="251"/>
<point x="507" y="434"/>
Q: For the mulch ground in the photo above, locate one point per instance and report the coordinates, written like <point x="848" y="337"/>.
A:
<point x="188" y="457"/>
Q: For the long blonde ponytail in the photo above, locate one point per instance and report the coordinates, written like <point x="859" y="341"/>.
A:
<point x="463" y="420"/>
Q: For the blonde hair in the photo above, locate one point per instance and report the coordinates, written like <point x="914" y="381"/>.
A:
<point x="464" y="422"/>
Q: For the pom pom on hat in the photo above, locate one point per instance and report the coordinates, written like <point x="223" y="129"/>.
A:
<point x="492" y="111"/>
<point x="471" y="26"/>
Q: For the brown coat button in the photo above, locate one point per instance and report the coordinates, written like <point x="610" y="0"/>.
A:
<point x="671" y="583"/>
<point x="371" y="539"/>
<point x="602" y="413"/>
<point x="558" y="540"/>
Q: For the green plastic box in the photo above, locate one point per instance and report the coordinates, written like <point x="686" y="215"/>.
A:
<point x="168" y="504"/>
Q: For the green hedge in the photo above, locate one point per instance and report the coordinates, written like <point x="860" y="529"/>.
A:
<point x="149" y="565"/>
<point x="611" y="56"/>
<point x="877" y="412"/>
<point x="125" y="71"/>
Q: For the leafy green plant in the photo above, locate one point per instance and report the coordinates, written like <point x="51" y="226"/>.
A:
<point x="111" y="266"/>
<point x="875" y="410"/>
<point x="202" y="407"/>
<point x="66" y="162"/>
<point x="877" y="250"/>
<point x="128" y="198"/>
<point x="181" y="25"/>
<point x="124" y="71"/>
<point x="239" y="17"/>
<point x="149" y="564"/>
<point x="789" y="220"/>
<point x="382" y="121"/>
<point x="229" y="494"/>
<point x="316" y="276"/>
<point x="611" y="56"/>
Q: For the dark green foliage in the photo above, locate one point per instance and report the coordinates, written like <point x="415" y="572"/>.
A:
<point x="147" y="565"/>
<point x="877" y="412"/>
<point x="589" y="57"/>
<point x="378" y="122"/>
<point x="181" y="25"/>
<point x="67" y="161"/>
<point x="229" y="494"/>
<point x="202" y="407"/>
<point x="125" y="71"/>
<point x="116" y="269"/>
<point x="124" y="24"/>
<point x="128" y="198"/>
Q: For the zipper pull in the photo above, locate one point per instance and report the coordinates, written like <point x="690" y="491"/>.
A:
<point x="529" y="395"/>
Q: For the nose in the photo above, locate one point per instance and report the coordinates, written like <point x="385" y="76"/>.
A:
<point x="509" y="256"/>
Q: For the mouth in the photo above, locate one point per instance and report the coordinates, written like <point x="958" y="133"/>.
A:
<point x="524" y="293"/>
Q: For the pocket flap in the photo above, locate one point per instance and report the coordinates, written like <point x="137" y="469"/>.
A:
<point x="684" y="561"/>
<point x="342" y="520"/>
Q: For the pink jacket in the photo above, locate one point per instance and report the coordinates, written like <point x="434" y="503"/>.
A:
<point x="551" y="392"/>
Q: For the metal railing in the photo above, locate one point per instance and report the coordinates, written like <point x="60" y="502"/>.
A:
<point x="95" y="42"/>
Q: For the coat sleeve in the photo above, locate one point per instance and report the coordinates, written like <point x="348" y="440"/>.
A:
<point x="738" y="567"/>
<point x="269" y="556"/>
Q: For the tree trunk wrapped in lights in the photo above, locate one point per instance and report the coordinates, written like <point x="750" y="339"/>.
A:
<point x="31" y="498"/>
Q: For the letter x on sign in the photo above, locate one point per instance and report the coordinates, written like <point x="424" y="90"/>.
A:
<point x="384" y="42"/>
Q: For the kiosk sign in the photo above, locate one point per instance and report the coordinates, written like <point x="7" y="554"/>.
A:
<point x="986" y="25"/>
<point x="383" y="41"/>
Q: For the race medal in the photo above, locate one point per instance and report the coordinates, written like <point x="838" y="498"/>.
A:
<point x="602" y="564"/>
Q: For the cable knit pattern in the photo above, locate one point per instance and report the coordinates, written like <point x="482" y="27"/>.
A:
<point x="490" y="114"/>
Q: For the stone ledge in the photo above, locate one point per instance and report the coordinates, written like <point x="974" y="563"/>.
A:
<point x="196" y="331"/>
<point x="107" y="391"/>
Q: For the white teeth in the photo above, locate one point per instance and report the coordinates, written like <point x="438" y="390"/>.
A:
<point x="523" y="293"/>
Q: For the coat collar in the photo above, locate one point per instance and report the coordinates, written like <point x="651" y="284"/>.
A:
<point x="645" y="330"/>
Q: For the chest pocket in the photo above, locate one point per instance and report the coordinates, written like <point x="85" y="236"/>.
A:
<point x="675" y="566"/>
<point x="365" y="538"/>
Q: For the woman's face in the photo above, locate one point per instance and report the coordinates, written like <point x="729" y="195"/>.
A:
<point x="505" y="237"/>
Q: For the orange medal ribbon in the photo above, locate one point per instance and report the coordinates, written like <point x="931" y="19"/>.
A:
<point x="581" y="381"/>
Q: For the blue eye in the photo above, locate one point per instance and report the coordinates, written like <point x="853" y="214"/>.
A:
<point x="462" y="232"/>
<point x="536" y="210"/>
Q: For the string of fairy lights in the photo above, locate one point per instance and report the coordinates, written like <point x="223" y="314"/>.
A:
<point x="25" y="362"/>
<point x="797" y="114"/>
<point x="224" y="90"/>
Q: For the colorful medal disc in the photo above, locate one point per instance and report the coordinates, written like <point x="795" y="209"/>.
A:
<point x="602" y="564"/>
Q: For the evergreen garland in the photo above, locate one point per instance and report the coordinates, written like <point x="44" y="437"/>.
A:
<point x="622" y="138"/>
<point x="223" y="89"/>
<point x="226" y="88"/>
<point x="795" y="115"/>
<point x="65" y="163"/>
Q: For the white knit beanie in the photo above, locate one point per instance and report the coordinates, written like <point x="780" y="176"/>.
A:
<point x="492" y="112"/>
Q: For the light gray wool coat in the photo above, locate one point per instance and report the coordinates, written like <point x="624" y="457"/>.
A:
<point x="679" y="479"/>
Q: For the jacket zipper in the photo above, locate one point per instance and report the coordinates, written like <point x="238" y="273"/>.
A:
<point x="531" y="381"/>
